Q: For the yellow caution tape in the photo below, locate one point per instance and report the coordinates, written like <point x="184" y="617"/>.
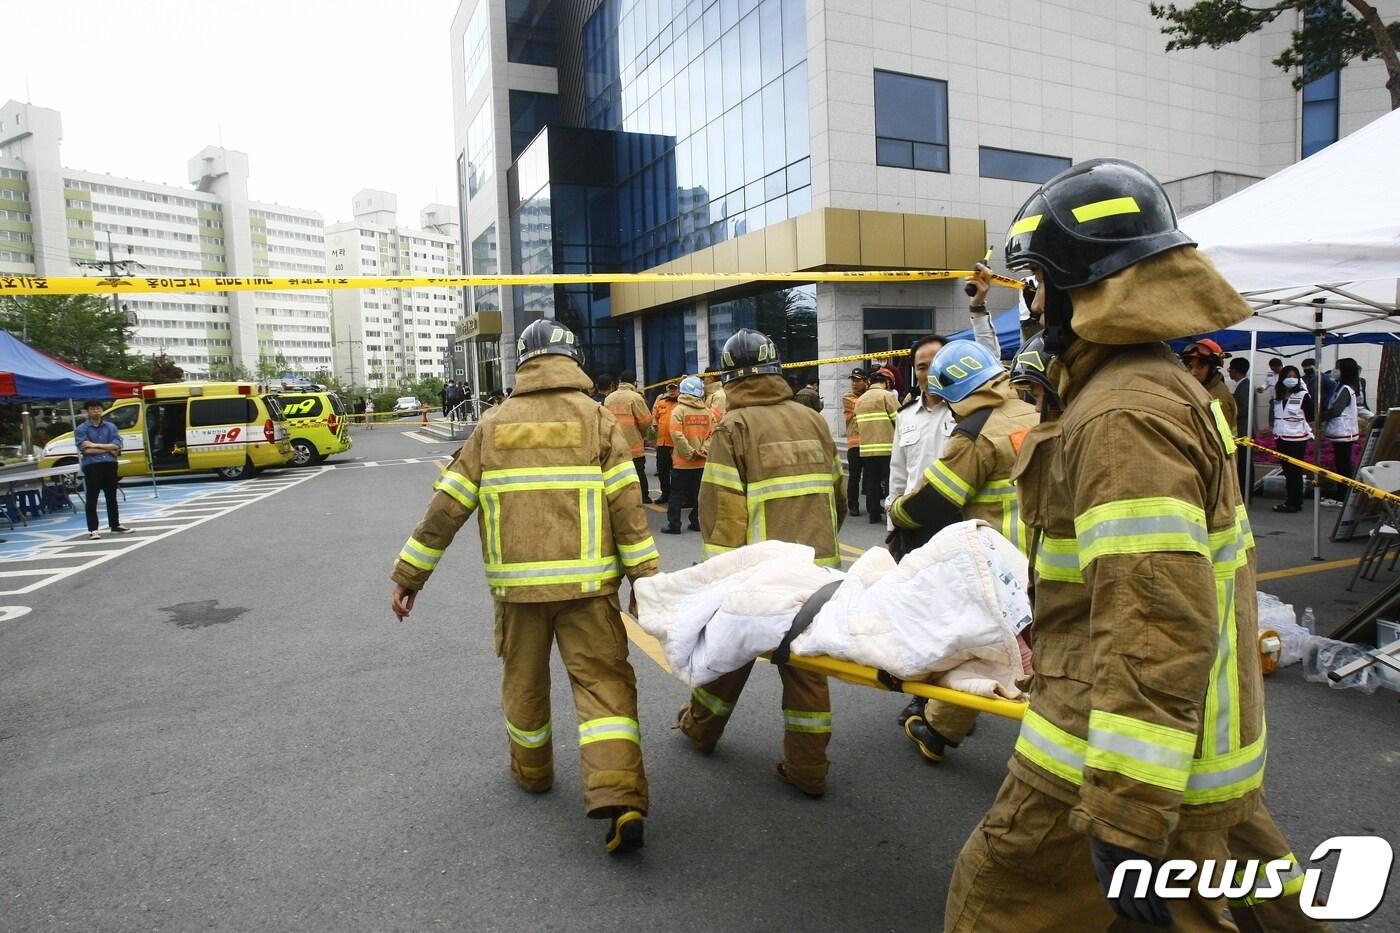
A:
<point x="863" y="676"/>
<point x="85" y="285"/>
<point x="1338" y="478"/>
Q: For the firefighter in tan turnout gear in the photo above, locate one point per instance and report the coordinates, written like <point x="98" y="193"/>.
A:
<point x="772" y="475"/>
<point x="1145" y="735"/>
<point x="634" y="417"/>
<point x="561" y="523"/>
<point x="971" y="480"/>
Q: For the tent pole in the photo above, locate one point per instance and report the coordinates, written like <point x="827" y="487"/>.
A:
<point x="1246" y="452"/>
<point x="1318" y="406"/>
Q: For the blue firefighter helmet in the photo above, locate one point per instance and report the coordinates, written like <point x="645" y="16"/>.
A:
<point x="960" y="368"/>
<point x="693" y="386"/>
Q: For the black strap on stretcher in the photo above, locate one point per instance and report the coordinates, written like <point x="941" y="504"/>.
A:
<point x="803" y="619"/>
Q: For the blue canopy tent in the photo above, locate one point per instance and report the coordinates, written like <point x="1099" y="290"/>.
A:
<point x="27" y="374"/>
<point x="1008" y="328"/>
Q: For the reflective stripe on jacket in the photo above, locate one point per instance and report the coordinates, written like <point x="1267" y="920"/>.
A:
<point x="973" y="477"/>
<point x="692" y="423"/>
<point x="1146" y="707"/>
<point x="772" y="474"/>
<point x="560" y="500"/>
<point x="632" y="414"/>
<point x="874" y="418"/>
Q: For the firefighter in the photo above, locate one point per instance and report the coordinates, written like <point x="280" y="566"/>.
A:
<point x="634" y="417"/>
<point x="1145" y="735"/>
<point x="561" y="524"/>
<point x="1203" y="359"/>
<point x="661" y="417"/>
<point x="859" y="383"/>
<point x="689" y="429"/>
<point x="875" y="415"/>
<point x="971" y="480"/>
<point x="772" y="474"/>
<point x="715" y="394"/>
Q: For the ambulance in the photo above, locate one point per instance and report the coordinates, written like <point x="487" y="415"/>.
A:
<point x="317" y="424"/>
<point x="189" y="427"/>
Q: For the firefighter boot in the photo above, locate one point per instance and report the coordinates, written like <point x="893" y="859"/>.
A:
<point x="626" y="832"/>
<point x="930" y="743"/>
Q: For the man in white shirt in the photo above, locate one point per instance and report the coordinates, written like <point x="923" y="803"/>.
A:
<point x="925" y="422"/>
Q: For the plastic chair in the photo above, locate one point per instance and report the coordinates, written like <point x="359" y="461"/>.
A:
<point x="1383" y="475"/>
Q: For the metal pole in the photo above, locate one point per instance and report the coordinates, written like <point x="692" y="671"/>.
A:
<point x="1248" y="452"/>
<point x="112" y="270"/>
<point x="1318" y="405"/>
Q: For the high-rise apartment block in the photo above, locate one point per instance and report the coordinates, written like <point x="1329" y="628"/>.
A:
<point x="388" y="336"/>
<point x="52" y="218"/>
<point x="797" y="135"/>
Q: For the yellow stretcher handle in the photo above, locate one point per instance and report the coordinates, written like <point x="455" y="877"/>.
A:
<point x="864" y="676"/>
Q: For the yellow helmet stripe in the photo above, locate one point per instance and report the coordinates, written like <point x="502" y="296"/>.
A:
<point x="1110" y="208"/>
<point x="1024" y="225"/>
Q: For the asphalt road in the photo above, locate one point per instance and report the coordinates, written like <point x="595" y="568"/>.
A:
<point x="226" y="729"/>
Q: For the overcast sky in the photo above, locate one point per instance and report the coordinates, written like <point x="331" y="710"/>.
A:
<point x="326" y="96"/>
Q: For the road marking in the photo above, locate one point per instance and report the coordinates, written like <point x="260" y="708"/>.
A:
<point x="425" y="439"/>
<point x="91" y="558"/>
<point x="1308" y="568"/>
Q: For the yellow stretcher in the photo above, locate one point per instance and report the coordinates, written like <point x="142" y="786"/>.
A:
<point x="863" y="676"/>
<point x="857" y="674"/>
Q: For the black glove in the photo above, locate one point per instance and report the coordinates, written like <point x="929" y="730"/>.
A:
<point x="894" y="543"/>
<point x="1150" y="908"/>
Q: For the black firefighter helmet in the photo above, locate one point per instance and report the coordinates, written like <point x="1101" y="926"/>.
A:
<point x="749" y="353"/>
<point x="545" y="336"/>
<point x="1091" y="221"/>
<point x="1032" y="365"/>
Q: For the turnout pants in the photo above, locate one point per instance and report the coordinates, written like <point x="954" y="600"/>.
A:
<point x="1024" y="869"/>
<point x="1260" y="838"/>
<point x="101" y="477"/>
<point x="806" y="719"/>
<point x="593" y="647"/>
<point x="663" y="471"/>
<point x="685" y="494"/>
<point x="640" y="465"/>
<point x="877" y="481"/>
<point x="853" y="475"/>
<point x="952" y="722"/>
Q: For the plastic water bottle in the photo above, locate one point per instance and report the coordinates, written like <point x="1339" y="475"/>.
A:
<point x="1309" y="621"/>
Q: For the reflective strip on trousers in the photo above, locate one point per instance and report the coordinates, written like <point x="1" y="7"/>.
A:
<point x="801" y="720"/>
<point x="1292" y="880"/>
<point x="526" y="738"/>
<point x="417" y="554"/>
<point x="608" y="728"/>
<point x="1141" y="526"/>
<point x="711" y="702"/>
<point x="1058" y="560"/>
<point x="459" y="488"/>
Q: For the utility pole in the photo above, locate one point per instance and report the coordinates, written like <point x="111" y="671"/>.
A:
<point x="352" y="358"/>
<point x="110" y="267"/>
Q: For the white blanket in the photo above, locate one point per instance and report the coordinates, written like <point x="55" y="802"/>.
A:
<point x="949" y="613"/>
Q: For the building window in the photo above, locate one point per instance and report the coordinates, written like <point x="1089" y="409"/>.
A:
<point x="668" y="343"/>
<point x="481" y="143"/>
<point x="485" y="262"/>
<point x="911" y="122"/>
<point x="787" y="315"/>
<point x="530" y="32"/>
<point x="1019" y="166"/>
<point x="475" y="49"/>
<point x="1321" y="104"/>
<point x="529" y="112"/>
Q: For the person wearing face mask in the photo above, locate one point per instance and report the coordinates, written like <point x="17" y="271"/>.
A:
<point x="1342" y="428"/>
<point x="1293" y="419"/>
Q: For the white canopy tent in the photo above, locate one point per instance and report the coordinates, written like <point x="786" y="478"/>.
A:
<point x="1316" y="247"/>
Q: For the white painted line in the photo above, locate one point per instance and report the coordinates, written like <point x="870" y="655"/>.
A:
<point x="64" y="573"/>
<point x="35" y="572"/>
<point x="49" y="555"/>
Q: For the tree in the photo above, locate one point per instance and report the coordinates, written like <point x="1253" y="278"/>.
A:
<point x="163" y="369"/>
<point x="1334" y="33"/>
<point x="79" y="329"/>
<point x="270" y="367"/>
